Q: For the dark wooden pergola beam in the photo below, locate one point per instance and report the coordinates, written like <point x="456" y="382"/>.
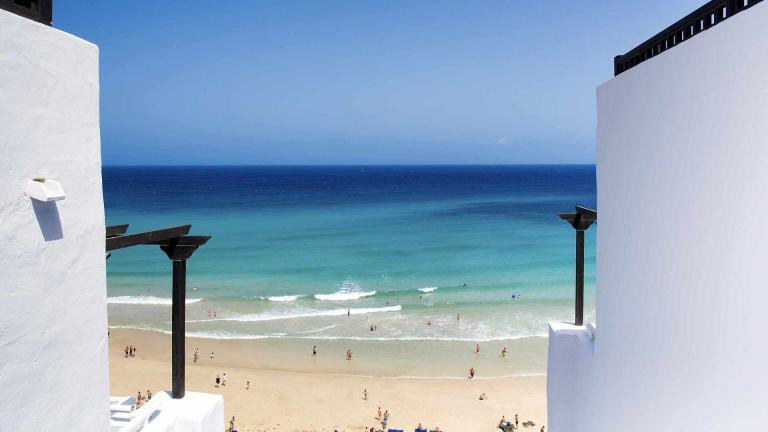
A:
<point x="149" y="237"/>
<point x="116" y="230"/>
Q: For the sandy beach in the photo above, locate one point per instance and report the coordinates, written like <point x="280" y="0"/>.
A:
<point x="311" y="394"/>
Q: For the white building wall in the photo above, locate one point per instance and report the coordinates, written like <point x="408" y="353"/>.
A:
<point x="682" y="245"/>
<point x="53" y="316"/>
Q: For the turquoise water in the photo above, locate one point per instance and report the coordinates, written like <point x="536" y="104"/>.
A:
<point x="295" y="250"/>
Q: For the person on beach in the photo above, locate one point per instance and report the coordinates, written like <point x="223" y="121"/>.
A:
<point x="247" y="385"/>
<point x="477" y="348"/>
<point x="223" y="379"/>
<point x="371" y="328"/>
<point x="211" y="355"/>
<point x="429" y="322"/>
<point x="378" y="414"/>
<point x="314" y="351"/>
<point x="483" y="397"/>
<point x="515" y="421"/>
<point x="196" y="355"/>
<point x="542" y="429"/>
<point x="349" y="354"/>
<point x="349" y="312"/>
<point x="471" y="373"/>
<point x="504" y="352"/>
<point x="365" y="394"/>
<point x="218" y="381"/>
<point x="133" y="352"/>
<point x="232" y="424"/>
<point x="458" y="317"/>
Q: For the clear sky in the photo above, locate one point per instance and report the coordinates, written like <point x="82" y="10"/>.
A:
<point x="356" y="82"/>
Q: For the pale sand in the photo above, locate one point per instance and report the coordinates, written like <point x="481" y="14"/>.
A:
<point x="287" y="400"/>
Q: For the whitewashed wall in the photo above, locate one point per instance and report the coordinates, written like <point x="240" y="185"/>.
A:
<point x="53" y="318"/>
<point x="682" y="258"/>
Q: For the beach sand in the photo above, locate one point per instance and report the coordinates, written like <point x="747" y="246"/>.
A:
<point x="306" y="394"/>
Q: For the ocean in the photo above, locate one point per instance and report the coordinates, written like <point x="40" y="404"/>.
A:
<point x="320" y="254"/>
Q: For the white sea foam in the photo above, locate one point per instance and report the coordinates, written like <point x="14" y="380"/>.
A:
<point x="278" y="315"/>
<point x="428" y="289"/>
<point x="220" y="334"/>
<point x="285" y="298"/>
<point x="345" y="295"/>
<point x="145" y="300"/>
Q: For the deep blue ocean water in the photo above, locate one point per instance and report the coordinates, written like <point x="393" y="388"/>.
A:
<point x="295" y="248"/>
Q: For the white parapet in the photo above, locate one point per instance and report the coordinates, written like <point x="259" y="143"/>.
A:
<point x="569" y="374"/>
<point x="196" y="412"/>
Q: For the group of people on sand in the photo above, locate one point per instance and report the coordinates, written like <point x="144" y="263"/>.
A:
<point x="140" y="398"/>
<point x="383" y="418"/>
<point x="130" y="351"/>
<point x="314" y="352"/>
<point x="507" y="425"/>
<point x="196" y="355"/>
<point x="221" y="380"/>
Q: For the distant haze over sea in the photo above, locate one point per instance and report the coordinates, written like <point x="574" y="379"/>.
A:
<point x="295" y="250"/>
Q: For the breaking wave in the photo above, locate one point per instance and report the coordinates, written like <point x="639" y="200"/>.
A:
<point x="284" y="298"/>
<point x="145" y="300"/>
<point x="345" y="295"/>
<point x="428" y="289"/>
<point x="272" y="316"/>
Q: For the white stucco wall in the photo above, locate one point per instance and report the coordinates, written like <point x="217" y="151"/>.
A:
<point x="682" y="262"/>
<point x="53" y="318"/>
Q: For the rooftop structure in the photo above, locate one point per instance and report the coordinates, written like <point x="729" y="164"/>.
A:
<point x="681" y="272"/>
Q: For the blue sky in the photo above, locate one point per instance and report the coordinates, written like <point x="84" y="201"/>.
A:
<point x="356" y="82"/>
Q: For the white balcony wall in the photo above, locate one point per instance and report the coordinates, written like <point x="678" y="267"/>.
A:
<point x="53" y="315"/>
<point x="682" y="262"/>
<point x="569" y="375"/>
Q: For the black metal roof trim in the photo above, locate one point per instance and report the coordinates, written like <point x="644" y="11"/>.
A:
<point x="703" y="18"/>
<point x="36" y="10"/>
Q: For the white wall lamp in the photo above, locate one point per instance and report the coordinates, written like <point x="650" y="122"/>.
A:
<point x="45" y="190"/>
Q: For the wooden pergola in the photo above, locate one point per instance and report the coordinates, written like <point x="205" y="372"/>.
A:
<point x="179" y="247"/>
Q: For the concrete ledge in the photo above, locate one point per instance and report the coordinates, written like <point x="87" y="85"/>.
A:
<point x="196" y="412"/>
<point x="569" y="371"/>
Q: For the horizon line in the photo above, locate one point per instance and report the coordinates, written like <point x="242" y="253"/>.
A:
<point x="343" y="165"/>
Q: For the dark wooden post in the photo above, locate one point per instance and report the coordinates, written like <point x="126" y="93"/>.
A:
<point x="179" y="250"/>
<point x="579" y="277"/>
<point x="580" y="221"/>
<point x="178" y="332"/>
